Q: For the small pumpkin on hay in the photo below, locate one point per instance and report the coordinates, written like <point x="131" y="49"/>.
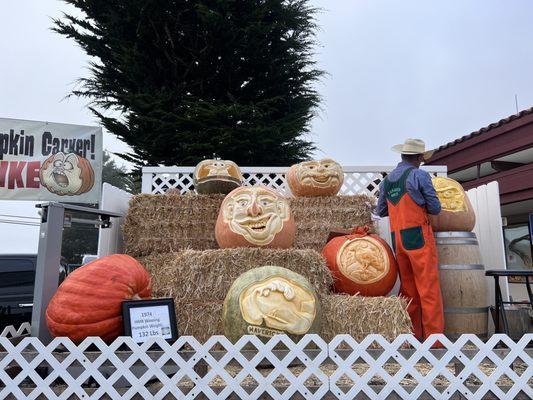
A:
<point x="216" y="176"/>
<point x="89" y="301"/>
<point x="315" y="178"/>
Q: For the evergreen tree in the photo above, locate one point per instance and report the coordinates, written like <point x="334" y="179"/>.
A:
<point x="196" y="78"/>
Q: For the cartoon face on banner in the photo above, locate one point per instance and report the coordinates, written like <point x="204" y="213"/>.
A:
<point x="67" y="174"/>
<point x="315" y="178"/>
<point x="451" y="194"/>
<point x="280" y="304"/>
<point x="255" y="216"/>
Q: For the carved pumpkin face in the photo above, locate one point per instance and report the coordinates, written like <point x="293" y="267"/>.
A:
<point x="457" y="213"/>
<point x="67" y="174"/>
<point x="315" y="178"/>
<point x="450" y="193"/>
<point x="280" y="304"/>
<point x="217" y="176"/>
<point x="255" y="216"/>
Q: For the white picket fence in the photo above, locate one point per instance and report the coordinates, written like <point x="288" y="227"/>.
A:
<point x="279" y="369"/>
<point x="357" y="179"/>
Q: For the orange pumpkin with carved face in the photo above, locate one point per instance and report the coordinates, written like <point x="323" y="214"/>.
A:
<point x="315" y="178"/>
<point x="67" y="174"/>
<point x="361" y="263"/>
<point x="255" y="216"/>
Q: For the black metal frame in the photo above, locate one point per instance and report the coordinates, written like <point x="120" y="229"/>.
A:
<point x="499" y="303"/>
<point x="168" y="302"/>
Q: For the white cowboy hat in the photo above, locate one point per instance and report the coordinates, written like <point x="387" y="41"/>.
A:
<point x="413" y="146"/>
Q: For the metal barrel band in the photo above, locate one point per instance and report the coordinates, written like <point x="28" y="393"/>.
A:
<point x="466" y="310"/>
<point x="462" y="267"/>
<point x="453" y="235"/>
<point x="457" y="242"/>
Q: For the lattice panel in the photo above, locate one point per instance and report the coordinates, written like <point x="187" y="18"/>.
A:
<point x="357" y="180"/>
<point x="279" y="369"/>
<point x="12" y="332"/>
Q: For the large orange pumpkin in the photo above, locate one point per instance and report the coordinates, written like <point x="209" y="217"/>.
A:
<point x="315" y="178"/>
<point x="457" y="213"/>
<point x="255" y="216"/>
<point x="89" y="301"/>
<point x="361" y="263"/>
<point x="67" y="174"/>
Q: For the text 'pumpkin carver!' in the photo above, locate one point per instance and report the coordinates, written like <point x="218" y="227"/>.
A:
<point x="255" y="216"/>
<point x="315" y="178"/>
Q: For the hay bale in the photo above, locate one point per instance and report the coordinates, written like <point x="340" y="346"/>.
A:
<point x="167" y="223"/>
<point x="316" y="216"/>
<point x="201" y="319"/>
<point x="360" y="316"/>
<point x="207" y="275"/>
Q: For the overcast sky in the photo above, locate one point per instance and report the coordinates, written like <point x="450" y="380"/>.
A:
<point x="430" y="69"/>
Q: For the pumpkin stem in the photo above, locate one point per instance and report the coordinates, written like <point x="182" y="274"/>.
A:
<point x="361" y="230"/>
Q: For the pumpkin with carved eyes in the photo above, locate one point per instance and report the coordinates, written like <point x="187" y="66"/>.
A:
<point x="67" y="174"/>
<point x="315" y="178"/>
<point x="216" y="176"/>
<point x="361" y="263"/>
<point x="268" y="301"/>
<point x="255" y="216"/>
<point x="457" y="213"/>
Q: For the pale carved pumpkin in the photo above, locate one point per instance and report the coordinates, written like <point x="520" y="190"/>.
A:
<point x="255" y="216"/>
<point x="67" y="174"/>
<point x="315" y="178"/>
<point x="457" y="213"/>
<point x="361" y="263"/>
<point x="216" y="176"/>
<point x="270" y="300"/>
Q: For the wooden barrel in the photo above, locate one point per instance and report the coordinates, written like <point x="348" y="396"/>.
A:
<point x="463" y="284"/>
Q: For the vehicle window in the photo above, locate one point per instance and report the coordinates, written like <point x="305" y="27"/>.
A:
<point x="16" y="272"/>
<point x="13" y="279"/>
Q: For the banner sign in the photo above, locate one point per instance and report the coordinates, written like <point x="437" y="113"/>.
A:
<point x="50" y="161"/>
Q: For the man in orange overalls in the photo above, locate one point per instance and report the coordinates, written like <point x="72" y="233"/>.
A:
<point x="407" y="196"/>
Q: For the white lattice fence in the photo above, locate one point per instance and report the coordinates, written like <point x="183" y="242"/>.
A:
<point x="356" y="179"/>
<point x="279" y="369"/>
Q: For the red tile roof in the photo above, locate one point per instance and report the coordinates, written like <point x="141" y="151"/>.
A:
<point x="487" y="128"/>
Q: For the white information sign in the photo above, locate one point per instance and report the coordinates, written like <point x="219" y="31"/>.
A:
<point x="147" y="322"/>
<point x="50" y="161"/>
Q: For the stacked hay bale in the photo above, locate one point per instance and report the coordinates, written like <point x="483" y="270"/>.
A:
<point x="173" y="236"/>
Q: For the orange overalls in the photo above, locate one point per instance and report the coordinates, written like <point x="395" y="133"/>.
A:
<point x="416" y="253"/>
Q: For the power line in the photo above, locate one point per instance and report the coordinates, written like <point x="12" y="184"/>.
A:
<point x="18" y="216"/>
<point x="6" y="221"/>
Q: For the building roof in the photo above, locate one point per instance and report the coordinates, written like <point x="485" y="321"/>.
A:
<point x="487" y="128"/>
